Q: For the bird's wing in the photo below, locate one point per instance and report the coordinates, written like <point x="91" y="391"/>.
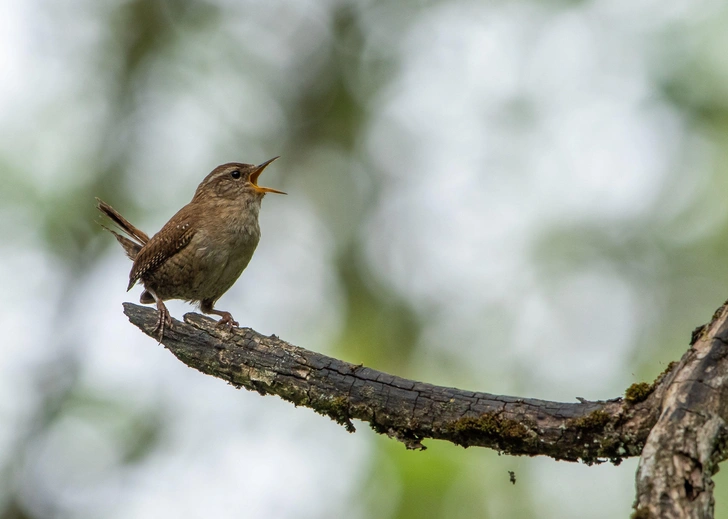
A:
<point x="173" y="237"/>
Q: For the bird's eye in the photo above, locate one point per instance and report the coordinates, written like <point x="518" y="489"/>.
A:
<point x="235" y="173"/>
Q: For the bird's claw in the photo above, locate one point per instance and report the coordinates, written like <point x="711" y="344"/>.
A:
<point x="227" y="321"/>
<point x="163" y="319"/>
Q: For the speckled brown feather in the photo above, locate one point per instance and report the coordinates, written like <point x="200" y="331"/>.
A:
<point x="124" y="224"/>
<point x="131" y="247"/>
<point x="203" y="249"/>
<point x="137" y="238"/>
<point x="171" y="239"/>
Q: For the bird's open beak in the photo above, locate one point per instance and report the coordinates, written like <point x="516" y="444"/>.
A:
<point x="254" y="179"/>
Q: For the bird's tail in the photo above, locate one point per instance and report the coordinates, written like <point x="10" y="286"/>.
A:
<point x="137" y="238"/>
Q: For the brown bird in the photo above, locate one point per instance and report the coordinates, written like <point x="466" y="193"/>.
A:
<point x="202" y="250"/>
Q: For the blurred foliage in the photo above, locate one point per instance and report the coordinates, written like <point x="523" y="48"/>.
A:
<point x="676" y="264"/>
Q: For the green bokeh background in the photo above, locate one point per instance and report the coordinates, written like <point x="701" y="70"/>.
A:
<point x="136" y="101"/>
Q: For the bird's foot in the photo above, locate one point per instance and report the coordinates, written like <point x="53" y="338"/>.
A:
<point x="226" y="320"/>
<point x="163" y="320"/>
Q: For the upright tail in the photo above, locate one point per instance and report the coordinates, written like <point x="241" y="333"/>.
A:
<point x="138" y="238"/>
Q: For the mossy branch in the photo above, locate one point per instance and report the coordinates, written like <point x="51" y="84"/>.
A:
<point x="407" y="410"/>
<point x="677" y="424"/>
<point x="690" y="438"/>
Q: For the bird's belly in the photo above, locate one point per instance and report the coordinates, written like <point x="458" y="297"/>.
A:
<point x="204" y="270"/>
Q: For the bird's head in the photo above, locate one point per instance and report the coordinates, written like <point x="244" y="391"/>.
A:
<point x="234" y="181"/>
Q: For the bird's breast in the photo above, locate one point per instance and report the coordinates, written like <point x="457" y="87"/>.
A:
<point x="224" y="251"/>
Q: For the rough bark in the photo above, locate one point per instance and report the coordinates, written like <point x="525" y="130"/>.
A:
<point x="407" y="410"/>
<point x="689" y="439"/>
<point x="676" y="424"/>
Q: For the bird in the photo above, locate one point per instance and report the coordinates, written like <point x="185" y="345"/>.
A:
<point x="203" y="249"/>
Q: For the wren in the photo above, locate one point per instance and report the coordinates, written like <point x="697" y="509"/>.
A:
<point x="202" y="250"/>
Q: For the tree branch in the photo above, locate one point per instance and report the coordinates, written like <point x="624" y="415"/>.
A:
<point x="690" y="438"/>
<point x="678" y="423"/>
<point x="407" y="410"/>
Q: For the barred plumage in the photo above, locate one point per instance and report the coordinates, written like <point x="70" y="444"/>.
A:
<point x="202" y="250"/>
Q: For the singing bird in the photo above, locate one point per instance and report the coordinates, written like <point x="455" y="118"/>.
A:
<point x="202" y="250"/>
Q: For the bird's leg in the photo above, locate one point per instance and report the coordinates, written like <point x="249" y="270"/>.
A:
<point x="163" y="317"/>
<point x="227" y="318"/>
